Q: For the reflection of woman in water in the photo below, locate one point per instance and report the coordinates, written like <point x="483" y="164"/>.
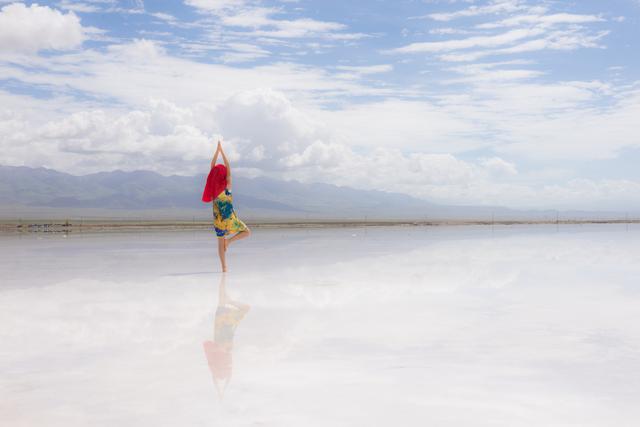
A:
<point x="219" y="351"/>
<point x="225" y="220"/>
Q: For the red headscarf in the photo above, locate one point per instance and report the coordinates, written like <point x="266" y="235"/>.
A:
<point x="216" y="183"/>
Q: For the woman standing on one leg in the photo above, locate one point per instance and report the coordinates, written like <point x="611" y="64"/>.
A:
<point x="225" y="220"/>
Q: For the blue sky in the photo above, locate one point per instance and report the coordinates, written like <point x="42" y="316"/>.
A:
<point x="510" y="102"/>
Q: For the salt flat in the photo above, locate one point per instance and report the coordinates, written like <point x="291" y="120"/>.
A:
<point x="376" y="326"/>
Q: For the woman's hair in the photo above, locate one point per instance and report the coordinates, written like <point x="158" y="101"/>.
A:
<point x="216" y="183"/>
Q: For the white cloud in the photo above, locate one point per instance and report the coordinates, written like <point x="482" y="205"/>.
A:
<point x="146" y="69"/>
<point x="470" y="42"/>
<point x="80" y="7"/>
<point x="546" y="20"/>
<point x="288" y="142"/>
<point x="557" y="40"/>
<point x="366" y="69"/>
<point x="243" y="52"/>
<point x="34" y="28"/>
<point x="594" y="195"/>
<point x="502" y="111"/>
<point x="499" y="166"/>
<point x="162" y="137"/>
<point x="258" y="21"/>
<point x="485" y="75"/>
<point x="496" y="6"/>
<point x="165" y="17"/>
<point x="534" y="28"/>
<point x="448" y="31"/>
<point x="403" y="124"/>
<point x="319" y="154"/>
<point x="575" y="133"/>
<point x="263" y="24"/>
<point x="275" y="122"/>
<point x="345" y="123"/>
<point x="215" y="5"/>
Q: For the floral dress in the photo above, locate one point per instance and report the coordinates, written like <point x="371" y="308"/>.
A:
<point x="225" y="220"/>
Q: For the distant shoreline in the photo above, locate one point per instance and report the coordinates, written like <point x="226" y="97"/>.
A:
<point x="56" y="226"/>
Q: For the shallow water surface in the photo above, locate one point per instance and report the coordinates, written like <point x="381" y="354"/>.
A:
<point x="376" y="326"/>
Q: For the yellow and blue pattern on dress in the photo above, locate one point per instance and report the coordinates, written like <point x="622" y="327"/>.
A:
<point x="225" y="220"/>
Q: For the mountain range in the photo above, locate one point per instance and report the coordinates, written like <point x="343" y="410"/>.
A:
<point x="45" y="193"/>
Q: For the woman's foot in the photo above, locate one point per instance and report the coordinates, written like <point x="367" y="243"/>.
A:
<point x="224" y="268"/>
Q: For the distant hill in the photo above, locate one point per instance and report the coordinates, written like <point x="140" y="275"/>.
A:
<point x="45" y="193"/>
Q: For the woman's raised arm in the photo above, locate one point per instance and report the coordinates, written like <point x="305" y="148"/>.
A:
<point x="215" y="156"/>
<point x="227" y="165"/>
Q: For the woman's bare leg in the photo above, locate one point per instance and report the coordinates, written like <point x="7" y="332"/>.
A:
<point x="221" y="254"/>
<point x="240" y="235"/>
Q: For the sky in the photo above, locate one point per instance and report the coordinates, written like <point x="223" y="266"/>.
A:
<point x="501" y="102"/>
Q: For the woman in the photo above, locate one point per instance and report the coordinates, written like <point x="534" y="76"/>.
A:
<point x="225" y="221"/>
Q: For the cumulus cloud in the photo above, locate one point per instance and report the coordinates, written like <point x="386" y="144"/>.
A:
<point x="472" y="136"/>
<point x="501" y="110"/>
<point x="162" y="137"/>
<point x="499" y="166"/>
<point x="268" y="118"/>
<point x="319" y="154"/>
<point x="33" y="28"/>
<point x="262" y="130"/>
<point x="265" y="133"/>
<point x="404" y="124"/>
